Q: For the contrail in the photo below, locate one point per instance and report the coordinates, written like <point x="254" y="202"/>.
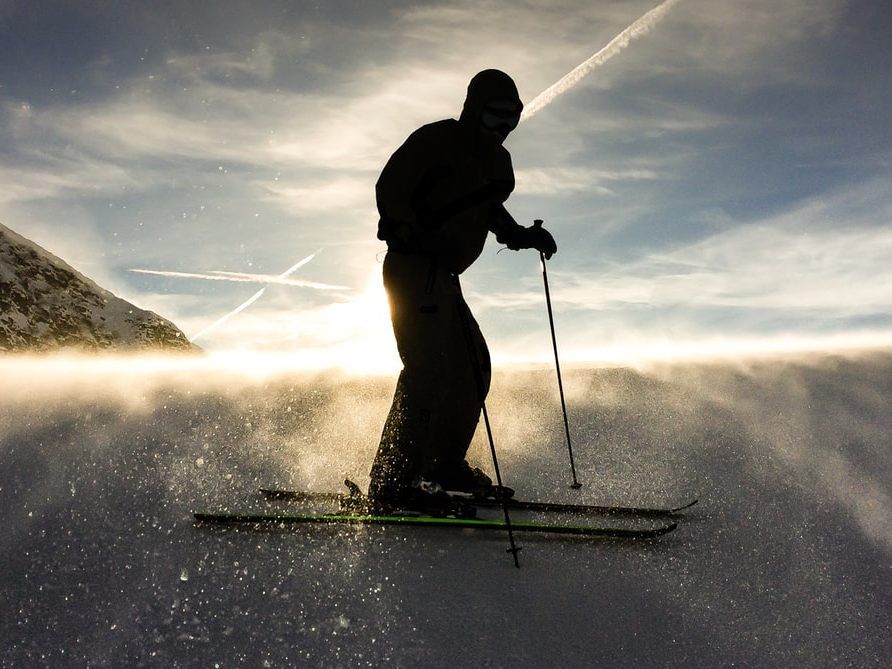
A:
<point x="256" y="296"/>
<point x="215" y="275"/>
<point x="266" y="278"/>
<point x="240" y="308"/>
<point x="640" y="27"/>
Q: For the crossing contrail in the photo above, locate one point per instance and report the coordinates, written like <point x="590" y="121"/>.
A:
<point x="640" y="27"/>
<point x="269" y="279"/>
<point x="256" y="296"/>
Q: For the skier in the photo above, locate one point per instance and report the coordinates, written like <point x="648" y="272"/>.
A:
<point x="438" y="196"/>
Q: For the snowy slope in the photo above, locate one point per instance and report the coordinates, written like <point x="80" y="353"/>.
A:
<point x="784" y="563"/>
<point x="46" y="304"/>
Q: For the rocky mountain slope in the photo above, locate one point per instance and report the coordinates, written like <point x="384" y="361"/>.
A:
<point x="45" y="304"/>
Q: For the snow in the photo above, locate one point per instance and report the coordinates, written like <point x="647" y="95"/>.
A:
<point x="785" y="560"/>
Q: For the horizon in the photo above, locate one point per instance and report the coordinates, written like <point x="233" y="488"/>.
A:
<point x="248" y="367"/>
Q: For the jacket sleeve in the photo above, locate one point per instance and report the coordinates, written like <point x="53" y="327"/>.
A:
<point x="503" y="225"/>
<point x="398" y="183"/>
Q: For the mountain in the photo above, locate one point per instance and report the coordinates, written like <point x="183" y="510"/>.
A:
<point x="45" y="304"/>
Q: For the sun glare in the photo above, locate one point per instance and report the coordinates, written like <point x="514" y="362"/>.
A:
<point x="360" y="333"/>
<point x="352" y="336"/>
<point x="371" y="352"/>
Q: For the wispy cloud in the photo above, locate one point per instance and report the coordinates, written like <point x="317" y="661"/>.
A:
<point x="830" y="256"/>
<point x="313" y="196"/>
<point x="576" y="179"/>
<point x="199" y="108"/>
<point x="43" y="177"/>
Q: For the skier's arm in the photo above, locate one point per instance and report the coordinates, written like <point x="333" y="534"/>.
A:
<point x="503" y="225"/>
<point x="396" y="188"/>
<point x="516" y="237"/>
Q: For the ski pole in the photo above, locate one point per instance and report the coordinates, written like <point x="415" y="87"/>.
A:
<point x="557" y="363"/>
<point x="514" y="549"/>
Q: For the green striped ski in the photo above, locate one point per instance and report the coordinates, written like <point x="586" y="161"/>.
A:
<point x="523" y="505"/>
<point x="282" y="519"/>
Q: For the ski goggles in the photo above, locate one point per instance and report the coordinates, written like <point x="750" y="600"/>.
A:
<point x="501" y="117"/>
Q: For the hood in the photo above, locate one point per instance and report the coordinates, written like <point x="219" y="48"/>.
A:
<point x="485" y="87"/>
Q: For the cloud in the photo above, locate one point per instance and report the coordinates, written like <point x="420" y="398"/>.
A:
<point x="560" y="180"/>
<point x="188" y="112"/>
<point x="56" y="176"/>
<point x="831" y="256"/>
<point x="751" y="38"/>
<point x="233" y="107"/>
<point x="256" y="65"/>
<point x="336" y="193"/>
<point x="139" y="125"/>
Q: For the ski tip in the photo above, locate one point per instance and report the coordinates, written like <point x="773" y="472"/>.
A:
<point x="685" y="506"/>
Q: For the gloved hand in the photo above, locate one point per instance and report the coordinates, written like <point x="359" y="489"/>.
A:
<point x="534" y="237"/>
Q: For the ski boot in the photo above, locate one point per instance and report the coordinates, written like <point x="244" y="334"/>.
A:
<point x="423" y="497"/>
<point x="470" y="480"/>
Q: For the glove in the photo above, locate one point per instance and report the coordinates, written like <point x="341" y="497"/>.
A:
<point x="534" y="237"/>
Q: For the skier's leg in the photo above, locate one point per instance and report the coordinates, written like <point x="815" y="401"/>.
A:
<point x="394" y="468"/>
<point x="420" y="326"/>
<point x="468" y="384"/>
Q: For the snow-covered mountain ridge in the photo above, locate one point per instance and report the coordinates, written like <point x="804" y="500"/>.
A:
<point x="45" y="304"/>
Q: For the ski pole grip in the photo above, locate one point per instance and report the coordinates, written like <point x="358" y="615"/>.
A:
<point x="537" y="223"/>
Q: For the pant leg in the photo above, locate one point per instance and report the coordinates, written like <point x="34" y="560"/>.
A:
<point x="471" y="374"/>
<point x="436" y="405"/>
<point x="423" y="326"/>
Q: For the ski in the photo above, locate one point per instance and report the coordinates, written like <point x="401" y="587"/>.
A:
<point x="582" y="509"/>
<point x="522" y="505"/>
<point x="283" y="519"/>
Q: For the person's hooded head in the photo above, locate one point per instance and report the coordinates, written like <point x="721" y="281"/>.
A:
<point x="493" y="104"/>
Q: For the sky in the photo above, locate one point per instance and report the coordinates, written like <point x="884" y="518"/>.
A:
<point x="719" y="184"/>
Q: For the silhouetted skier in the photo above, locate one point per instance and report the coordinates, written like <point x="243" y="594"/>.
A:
<point x="439" y="195"/>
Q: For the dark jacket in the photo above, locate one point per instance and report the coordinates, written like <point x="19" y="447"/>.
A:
<point x="442" y="191"/>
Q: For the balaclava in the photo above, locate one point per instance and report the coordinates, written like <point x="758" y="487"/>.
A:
<point x="492" y="102"/>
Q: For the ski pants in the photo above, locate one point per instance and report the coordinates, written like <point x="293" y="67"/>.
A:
<point x="445" y="377"/>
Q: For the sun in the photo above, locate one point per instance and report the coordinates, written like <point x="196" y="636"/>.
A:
<point x="352" y="335"/>
<point x="361" y="332"/>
